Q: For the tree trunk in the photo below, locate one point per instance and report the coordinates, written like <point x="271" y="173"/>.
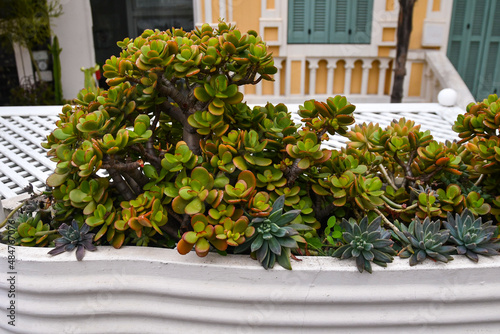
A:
<point x="405" y="22"/>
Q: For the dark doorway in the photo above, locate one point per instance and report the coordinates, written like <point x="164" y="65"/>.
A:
<point x="8" y="71"/>
<point x="113" y="20"/>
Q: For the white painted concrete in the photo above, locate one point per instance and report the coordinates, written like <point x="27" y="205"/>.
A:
<point x="147" y="290"/>
<point x="74" y="30"/>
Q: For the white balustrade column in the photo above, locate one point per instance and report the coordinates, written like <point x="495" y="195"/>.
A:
<point x="277" y="77"/>
<point x="349" y="65"/>
<point x="288" y="68"/>
<point x="313" y="67"/>
<point x="393" y="76"/>
<point x="222" y="10"/>
<point x="428" y="78"/>
<point x="384" y="65"/>
<point x="437" y="86"/>
<point x="406" y="85"/>
<point x="332" y="64"/>
<point x="230" y="10"/>
<point x="367" y="65"/>
<point x="208" y="11"/>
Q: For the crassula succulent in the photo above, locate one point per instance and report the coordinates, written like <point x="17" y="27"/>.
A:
<point x="172" y="156"/>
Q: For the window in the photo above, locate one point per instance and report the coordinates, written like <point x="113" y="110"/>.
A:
<point x="329" y="21"/>
<point x="113" y="20"/>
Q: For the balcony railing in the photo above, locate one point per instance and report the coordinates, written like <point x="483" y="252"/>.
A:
<point x="361" y="79"/>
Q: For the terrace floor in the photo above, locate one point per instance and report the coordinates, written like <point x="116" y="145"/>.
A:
<point x="23" y="161"/>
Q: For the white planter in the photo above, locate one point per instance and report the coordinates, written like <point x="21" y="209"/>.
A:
<point x="146" y="290"/>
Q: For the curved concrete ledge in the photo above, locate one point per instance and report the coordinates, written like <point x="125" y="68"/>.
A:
<point x="146" y="290"/>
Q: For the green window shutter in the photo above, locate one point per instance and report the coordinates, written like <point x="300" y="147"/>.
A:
<point x="457" y="32"/>
<point x="329" y="21"/>
<point x="361" y="21"/>
<point x="495" y="38"/>
<point x="298" y="21"/>
<point x="488" y="79"/>
<point x="339" y="31"/>
<point x="467" y="42"/>
<point x="475" y="25"/>
<point x="320" y="21"/>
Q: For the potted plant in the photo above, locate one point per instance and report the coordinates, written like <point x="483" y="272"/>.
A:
<point x="171" y="157"/>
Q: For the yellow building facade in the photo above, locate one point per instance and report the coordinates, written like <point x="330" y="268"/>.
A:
<point x="321" y="47"/>
<point x="361" y="71"/>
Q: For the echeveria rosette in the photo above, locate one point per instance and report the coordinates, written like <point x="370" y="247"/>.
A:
<point x="365" y="242"/>
<point x="423" y="240"/>
<point x="272" y="239"/>
<point x="472" y="236"/>
<point x="74" y="237"/>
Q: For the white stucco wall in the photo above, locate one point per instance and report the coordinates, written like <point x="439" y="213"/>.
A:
<point x="74" y="30"/>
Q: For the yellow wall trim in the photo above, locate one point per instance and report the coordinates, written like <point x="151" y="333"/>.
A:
<point x="388" y="34"/>
<point x="339" y="78"/>
<point x="417" y="69"/>
<point x="271" y="34"/>
<point x="389" y="5"/>
<point x="296" y="69"/>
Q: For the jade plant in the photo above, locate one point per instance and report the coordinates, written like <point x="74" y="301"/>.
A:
<point x="171" y="156"/>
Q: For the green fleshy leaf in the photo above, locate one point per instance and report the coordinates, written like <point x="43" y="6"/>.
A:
<point x="195" y="206"/>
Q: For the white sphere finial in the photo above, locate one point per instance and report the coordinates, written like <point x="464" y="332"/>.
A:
<point x="447" y="97"/>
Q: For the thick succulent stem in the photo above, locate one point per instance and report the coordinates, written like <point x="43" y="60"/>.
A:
<point x="182" y="98"/>
<point x="151" y="155"/>
<point x="110" y="163"/>
<point x="139" y="177"/>
<point x="293" y="172"/>
<point x="406" y="167"/>
<point x="171" y="231"/>
<point x="121" y="185"/>
<point x="189" y="134"/>
<point x="321" y="211"/>
<point x="192" y="139"/>
<point x="185" y="225"/>
<point x="134" y="186"/>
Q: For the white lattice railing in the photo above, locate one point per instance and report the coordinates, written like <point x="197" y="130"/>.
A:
<point x="437" y="73"/>
<point x="23" y="161"/>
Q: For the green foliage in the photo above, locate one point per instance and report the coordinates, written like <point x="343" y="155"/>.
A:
<point x="171" y="153"/>
<point x="74" y="237"/>
<point x="425" y="240"/>
<point x="27" y="23"/>
<point x="367" y="243"/>
<point x="31" y="93"/>
<point x="472" y="236"/>
<point x="30" y="230"/>
<point x="56" y="69"/>
<point x="273" y="238"/>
